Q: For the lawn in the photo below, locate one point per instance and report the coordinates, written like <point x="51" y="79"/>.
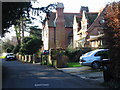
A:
<point x="2" y="57"/>
<point x="74" y="64"/>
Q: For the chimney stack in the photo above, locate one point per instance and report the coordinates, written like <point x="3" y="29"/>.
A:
<point x="60" y="27"/>
<point x="83" y="8"/>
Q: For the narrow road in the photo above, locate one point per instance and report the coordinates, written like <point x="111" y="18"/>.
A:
<point x="25" y="75"/>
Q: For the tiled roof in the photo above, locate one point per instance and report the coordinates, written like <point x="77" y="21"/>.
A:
<point x="78" y="18"/>
<point x="91" y="16"/>
<point x="69" y="17"/>
<point x="99" y="17"/>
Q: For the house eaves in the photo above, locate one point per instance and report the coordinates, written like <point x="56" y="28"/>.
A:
<point x="93" y="38"/>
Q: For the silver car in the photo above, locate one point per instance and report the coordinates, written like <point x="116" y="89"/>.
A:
<point x="94" y="58"/>
<point x="10" y="56"/>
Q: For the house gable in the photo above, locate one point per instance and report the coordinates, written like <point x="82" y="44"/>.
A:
<point x="91" y="16"/>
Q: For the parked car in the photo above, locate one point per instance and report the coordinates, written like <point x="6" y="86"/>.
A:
<point x="94" y="58"/>
<point x="10" y="56"/>
<point x="45" y="52"/>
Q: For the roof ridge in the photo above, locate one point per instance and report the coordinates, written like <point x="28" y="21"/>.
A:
<point x="92" y="12"/>
<point x="70" y="13"/>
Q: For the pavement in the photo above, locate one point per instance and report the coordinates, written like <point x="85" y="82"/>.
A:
<point x="85" y="73"/>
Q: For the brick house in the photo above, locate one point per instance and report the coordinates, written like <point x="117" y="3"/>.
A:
<point x="95" y="31"/>
<point x="58" y="30"/>
<point x="91" y="32"/>
<point x="85" y="21"/>
<point x="76" y="29"/>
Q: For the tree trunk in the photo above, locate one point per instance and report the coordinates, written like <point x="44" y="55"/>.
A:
<point x="17" y="31"/>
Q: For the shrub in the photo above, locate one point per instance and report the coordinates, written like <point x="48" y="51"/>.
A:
<point x="112" y="37"/>
<point x="16" y="49"/>
<point x="74" y="54"/>
<point x="7" y="47"/>
<point x="44" y="59"/>
<point x="9" y="50"/>
<point x="55" y="52"/>
<point x="30" y="45"/>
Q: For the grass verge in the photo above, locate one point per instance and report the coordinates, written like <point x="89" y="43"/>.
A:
<point x="2" y="57"/>
<point x="73" y="64"/>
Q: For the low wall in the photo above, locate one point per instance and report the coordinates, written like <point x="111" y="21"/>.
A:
<point x="26" y="58"/>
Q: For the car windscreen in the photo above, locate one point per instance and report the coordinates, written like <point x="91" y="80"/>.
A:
<point x="10" y="54"/>
<point x="89" y="53"/>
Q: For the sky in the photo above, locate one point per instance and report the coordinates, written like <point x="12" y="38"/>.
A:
<point x="70" y="6"/>
<point x="74" y="5"/>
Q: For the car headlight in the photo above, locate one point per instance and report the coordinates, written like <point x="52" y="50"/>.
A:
<point x="80" y="58"/>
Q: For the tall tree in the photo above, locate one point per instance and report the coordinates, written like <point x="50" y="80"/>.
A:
<point x="112" y="37"/>
<point x="13" y="11"/>
<point x="35" y="32"/>
<point x="18" y="36"/>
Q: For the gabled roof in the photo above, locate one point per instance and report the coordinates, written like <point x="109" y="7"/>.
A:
<point x="91" y="16"/>
<point x="69" y="17"/>
<point x="78" y="18"/>
<point x="99" y="17"/>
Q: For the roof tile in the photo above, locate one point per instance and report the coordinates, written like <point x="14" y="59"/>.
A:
<point x="69" y="17"/>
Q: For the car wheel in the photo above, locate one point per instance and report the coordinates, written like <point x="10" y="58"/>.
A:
<point x="7" y="59"/>
<point x="96" y="65"/>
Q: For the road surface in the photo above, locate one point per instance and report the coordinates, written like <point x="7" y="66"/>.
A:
<point x="25" y="75"/>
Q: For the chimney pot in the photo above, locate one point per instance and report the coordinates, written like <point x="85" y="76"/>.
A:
<point x="60" y="5"/>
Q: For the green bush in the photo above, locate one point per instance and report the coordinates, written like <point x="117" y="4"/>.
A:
<point x="55" y="52"/>
<point x="44" y="59"/>
<point x="9" y="50"/>
<point x="74" y="54"/>
<point x="16" y="49"/>
<point x="30" y="45"/>
<point x="7" y="47"/>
